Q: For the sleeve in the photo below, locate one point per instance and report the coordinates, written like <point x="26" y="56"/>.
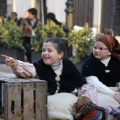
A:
<point x="101" y="88"/>
<point x="24" y="69"/>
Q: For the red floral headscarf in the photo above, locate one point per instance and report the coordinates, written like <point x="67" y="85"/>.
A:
<point x="112" y="44"/>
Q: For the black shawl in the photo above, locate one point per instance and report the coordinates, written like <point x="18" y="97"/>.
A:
<point x="109" y="75"/>
<point x="70" y="77"/>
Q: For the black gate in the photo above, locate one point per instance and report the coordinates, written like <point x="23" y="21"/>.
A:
<point x="83" y="12"/>
<point x="106" y="14"/>
<point x="3" y="8"/>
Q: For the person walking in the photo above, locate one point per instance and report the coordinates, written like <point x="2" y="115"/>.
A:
<point x="29" y="23"/>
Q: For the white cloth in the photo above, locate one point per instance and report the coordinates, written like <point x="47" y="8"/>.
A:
<point x="60" y="106"/>
<point x="105" y="100"/>
<point x="101" y="88"/>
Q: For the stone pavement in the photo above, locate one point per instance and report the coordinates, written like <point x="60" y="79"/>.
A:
<point x="5" y="69"/>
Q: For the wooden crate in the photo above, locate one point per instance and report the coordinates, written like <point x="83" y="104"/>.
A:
<point x="24" y="99"/>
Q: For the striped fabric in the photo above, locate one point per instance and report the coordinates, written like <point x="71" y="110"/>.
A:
<point x="116" y="113"/>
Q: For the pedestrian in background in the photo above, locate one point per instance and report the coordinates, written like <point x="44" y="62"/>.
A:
<point x="29" y="23"/>
<point x="51" y="17"/>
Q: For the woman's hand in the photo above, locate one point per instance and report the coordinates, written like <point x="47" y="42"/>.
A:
<point x="117" y="97"/>
<point x="9" y="60"/>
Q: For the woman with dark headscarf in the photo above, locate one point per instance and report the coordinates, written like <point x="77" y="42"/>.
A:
<point x="102" y="69"/>
<point x="51" y="17"/>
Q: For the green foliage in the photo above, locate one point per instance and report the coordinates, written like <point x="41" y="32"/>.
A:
<point x="82" y="41"/>
<point x="51" y="30"/>
<point x="45" y="31"/>
<point x="11" y="35"/>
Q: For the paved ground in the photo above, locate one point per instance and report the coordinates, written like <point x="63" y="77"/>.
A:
<point x="5" y="69"/>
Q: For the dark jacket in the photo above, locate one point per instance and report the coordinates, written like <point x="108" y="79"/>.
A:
<point x="26" y="22"/>
<point x="35" y="24"/>
<point x="108" y="75"/>
<point x="70" y="77"/>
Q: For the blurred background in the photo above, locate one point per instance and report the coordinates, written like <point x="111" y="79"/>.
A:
<point x="98" y="13"/>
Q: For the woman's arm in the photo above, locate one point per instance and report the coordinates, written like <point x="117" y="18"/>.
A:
<point x="24" y="69"/>
<point x="20" y="68"/>
<point x="100" y="86"/>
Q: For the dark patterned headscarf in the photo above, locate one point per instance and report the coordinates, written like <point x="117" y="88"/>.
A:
<point x="112" y="44"/>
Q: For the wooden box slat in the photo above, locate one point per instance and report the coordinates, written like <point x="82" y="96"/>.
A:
<point x="1" y="98"/>
<point x="28" y="101"/>
<point x="12" y="98"/>
<point x="41" y="106"/>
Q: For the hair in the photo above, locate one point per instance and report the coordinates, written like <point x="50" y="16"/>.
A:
<point x="59" y="43"/>
<point x="14" y="13"/>
<point x="51" y="16"/>
<point x="33" y="11"/>
<point x="108" y="32"/>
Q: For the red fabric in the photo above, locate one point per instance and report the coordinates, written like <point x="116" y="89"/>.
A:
<point x="90" y="116"/>
<point x="28" y="30"/>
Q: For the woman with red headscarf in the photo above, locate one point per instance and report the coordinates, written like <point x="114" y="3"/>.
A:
<point x="102" y="69"/>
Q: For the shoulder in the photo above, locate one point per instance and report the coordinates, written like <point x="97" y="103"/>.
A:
<point x="114" y="62"/>
<point x="69" y="66"/>
<point x="90" y="61"/>
<point x="67" y="62"/>
<point x="89" y="65"/>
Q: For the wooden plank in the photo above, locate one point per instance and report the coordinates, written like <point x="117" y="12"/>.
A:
<point x="28" y="101"/>
<point x="11" y="78"/>
<point x="83" y="12"/>
<point x="90" y="11"/>
<point x="12" y="101"/>
<point x="0" y="97"/>
<point x="106" y="14"/>
<point x="40" y="101"/>
<point x="6" y="102"/>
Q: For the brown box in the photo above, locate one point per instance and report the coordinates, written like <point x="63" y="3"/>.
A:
<point x="24" y="99"/>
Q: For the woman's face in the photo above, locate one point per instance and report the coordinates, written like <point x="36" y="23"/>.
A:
<point x="31" y="16"/>
<point x="50" y="55"/>
<point x="26" y="15"/>
<point x="100" y="51"/>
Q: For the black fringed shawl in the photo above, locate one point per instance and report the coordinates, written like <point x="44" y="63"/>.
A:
<point x="107" y="75"/>
<point x="70" y="77"/>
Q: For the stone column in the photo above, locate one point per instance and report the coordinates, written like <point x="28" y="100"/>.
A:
<point x="69" y="14"/>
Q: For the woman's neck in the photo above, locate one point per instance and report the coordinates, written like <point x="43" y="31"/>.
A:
<point x="57" y="65"/>
<point x="106" y="60"/>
